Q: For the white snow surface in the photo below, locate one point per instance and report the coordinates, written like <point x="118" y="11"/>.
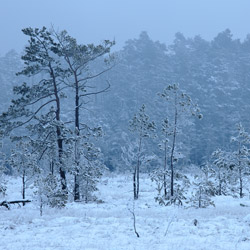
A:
<point x="109" y="225"/>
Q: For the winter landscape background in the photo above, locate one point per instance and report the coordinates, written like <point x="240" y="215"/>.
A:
<point x="134" y="142"/>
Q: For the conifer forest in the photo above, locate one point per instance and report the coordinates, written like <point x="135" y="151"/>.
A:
<point x="140" y="147"/>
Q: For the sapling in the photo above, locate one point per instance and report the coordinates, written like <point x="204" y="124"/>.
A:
<point x="143" y="128"/>
<point x="241" y="169"/>
<point x="182" y="105"/>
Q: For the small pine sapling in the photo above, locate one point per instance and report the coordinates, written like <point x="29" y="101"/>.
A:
<point x="221" y="162"/>
<point x="241" y="162"/>
<point x="182" y="105"/>
<point x="143" y="128"/>
<point x="3" y="186"/>
<point x="48" y="191"/>
<point x="202" y="189"/>
<point x="165" y="148"/>
<point x="181" y="186"/>
<point x="88" y="168"/>
<point x="24" y="163"/>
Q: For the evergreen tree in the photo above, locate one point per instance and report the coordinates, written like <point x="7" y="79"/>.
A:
<point x="24" y="163"/>
<point x="221" y="162"/>
<point x="181" y="104"/>
<point x="203" y="188"/>
<point x="166" y="134"/>
<point x="41" y="59"/>
<point x="143" y="128"/>
<point x="160" y="175"/>
<point x="3" y="169"/>
<point x="78" y="59"/>
<point x="241" y="168"/>
<point x="90" y="167"/>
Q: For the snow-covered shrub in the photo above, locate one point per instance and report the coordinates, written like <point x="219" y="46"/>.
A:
<point x="24" y="163"/>
<point x="221" y="172"/>
<point x="201" y="193"/>
<point x="3" y="186"/>
<point x="240" y="171"/>
<point x="48" y="191"/>
<point x="3" y="189"/>
<point x="90" y="175"/>
<point x="180" y="187"/>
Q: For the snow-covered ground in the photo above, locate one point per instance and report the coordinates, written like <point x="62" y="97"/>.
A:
<point x="109" y="225"/>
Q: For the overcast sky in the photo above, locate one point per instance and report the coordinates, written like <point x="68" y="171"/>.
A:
<point x="96" y="20"/>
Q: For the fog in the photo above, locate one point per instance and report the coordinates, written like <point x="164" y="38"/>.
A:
<point x="94" y="20"/>
<point x="97" y="137"/>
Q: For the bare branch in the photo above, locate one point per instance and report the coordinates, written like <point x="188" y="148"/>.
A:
<point x="134" y="219"/>
<point x="97" y="92"/>
<point x="94" y="76"/>
<point x="33" y="116"/>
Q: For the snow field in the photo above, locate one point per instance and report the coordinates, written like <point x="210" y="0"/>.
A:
<point x="109" y="225"/>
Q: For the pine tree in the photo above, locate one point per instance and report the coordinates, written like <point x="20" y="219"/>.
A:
<point x="222" y="171"/>
<point x="24" y="163"/>
<point x="160" y="175"/>
<point x="165" y="134"/>
<point x="78" y="59"/>
<point x="202" y="188"/>
<point x="241" y="169"/>
<point x="90" y="168"/>
<point x="143" y="128"/>
<point x="3" y="169"/>
<point x="41" y="61"/>
<point x="181" y="186"/>
<point x="182" y="105"/>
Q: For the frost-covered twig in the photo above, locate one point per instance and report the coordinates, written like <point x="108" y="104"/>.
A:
<point x="134" y="218"/>
<point x="169" y="224"/>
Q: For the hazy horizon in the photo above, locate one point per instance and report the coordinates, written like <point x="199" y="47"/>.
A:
<point x="93" y="21"/>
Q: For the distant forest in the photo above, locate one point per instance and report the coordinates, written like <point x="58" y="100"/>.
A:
<point x="214" y="73"/>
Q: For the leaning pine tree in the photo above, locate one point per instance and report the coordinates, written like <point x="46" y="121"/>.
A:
<point x="41" y="61"/>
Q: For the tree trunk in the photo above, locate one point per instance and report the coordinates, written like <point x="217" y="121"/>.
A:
<point x="137" y="175"/>
<point x="134" y="182"/>
<point x="77" y="128"/>
<point x="23" y="187"/>
<point x="58" y="132"/>
<point x="220" y="186"/>
<point x="241" y="184"/>
<point x="76" y="188"/>
<point x="61" y="170"/>
<point x="165" y="168"/>
<point x="240" y="172"/>
<point x="173" y="148"/>
<point x="52" y="167"/>
<point x="199" y="197"/>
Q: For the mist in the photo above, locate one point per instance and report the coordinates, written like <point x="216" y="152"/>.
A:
<point x="91" y="21"/>
<point x="125" y="124"/>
